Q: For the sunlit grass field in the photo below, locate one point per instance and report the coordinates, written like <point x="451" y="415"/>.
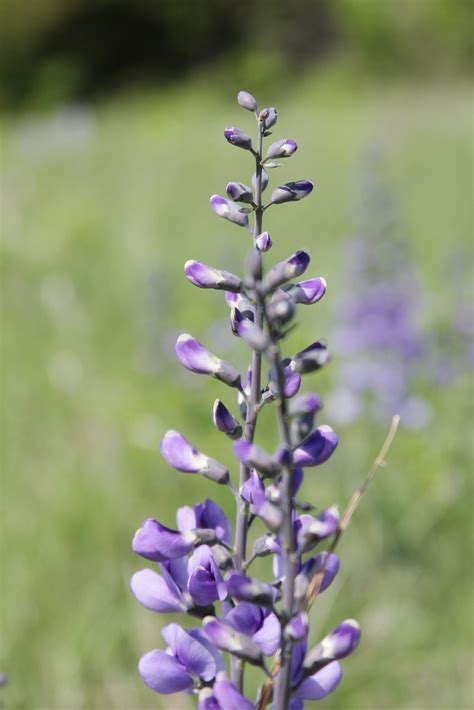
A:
<point x="102" y="206"/>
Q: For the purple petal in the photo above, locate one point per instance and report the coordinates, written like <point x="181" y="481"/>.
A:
<point x="164" y="673"/>
<point x="180" y="454"/>
<point x="192" y="654"/>
<point x="246" y="589"/>
<point x="246" y="618"/>
<point x="225" y="421"/>
<point x="200" y="636"/>
<point x="209" y="515"/>
<point x="263" y="242"/>
<point x="152" y="591"/>
<point x="316" y="448"/>
<point x="253" y="490"/>
<point x="268" y="637"/>
<point x="202" y="587"/>
<point x="321" y="683"/>
<point x="255" y="457"/>
<point x="228" y="210"/>
<point x="341" y="641"/>
<point x="175" y="573"/>
<point x="292" y="382"/>
<point x="186" y="518"/>
<point x="228" y="639"/>
<point x="331" y="567"/>
<point x="204" y="276"/>
<point x="195" y="357"/>
<point x="228" y="697"/>
<point x="156" y="542"/>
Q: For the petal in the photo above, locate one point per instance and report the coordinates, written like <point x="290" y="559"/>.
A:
<point x="194" y="356"/>
<point x="180" y="454"/>
<point x="317" y="448"/>
<point x="202" y="587"/>
<point x="163" y="673"/>
<point x="209" y="515"/>
<point x="200" y="636"/>
<point x="228" y="697"/>
<point x="246" y="618"/>
<point x="321" y="683"/>
<point x="193" y="655"/>
<point x="269" y="636"/>
<point x="152" y="591"/>
<point x="176" y="573"/>
<point x="156" y="542"/>
<point x="185" y="518"/>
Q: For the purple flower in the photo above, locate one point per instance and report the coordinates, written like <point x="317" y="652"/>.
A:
<point x="263" y="242"/>
<point x="157" y="593"/>
<point x="317" y="448"/>
<point x="304" y="404"/>
<point x="226" y="638"/>
<point x="238" y="138"/>
<point x="246" y="589"/>
<point x="268" y="117"/>
<point x="180" y="454"/>
<point x="236" y="300"/>
<point x="188" y="657"/>
<point x="282" y="149"/>
<point x="282" y="272"/>
<point x="228" y="210"/>
<point x="307" y="292"/>
<point x="253" y="491"/>
<point x="205" y="515"/>
<point x="223" y="696"/>
<point x="323" y="560"/>
<point x="292" y="382"/>
<point x="297" y="628"/>
<point x="311" y="358"/>
<point x="340" y="642"/>
<point x="205" y="583"/>
<point x="225" y="421"/>
<point x="196" y="358"/>
<point x="247" y="330"/>
<point x="238" y="192"/>
<point x="204" y="276"/>
<point x="291" y="191"/>
<point x="322" y="683"/>
<point x="262" y="625"/>
<point x="156" y="542"/>
<point x="246" y="100"/>
<point x="255" y="457"/>
<point x="312" y="530"/>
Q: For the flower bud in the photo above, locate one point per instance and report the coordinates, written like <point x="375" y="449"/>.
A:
<point x="222" y="557"/>
<point x="263" y="546"/>
<point x="238" y="138"/>
<point x="297" y="628"/>
<point x="315" y="565"/>
<point x="196" y="358"/>
<point x="228" y="639"/>
<point x="255" y="457"/>
<point x="294" y="266"/>
<point x="248" y="331"/>
<point x="317" y="448"/>
<point x="225" y="421"/>
<point x="311" y="358"/>
<point x="301" y="426"/>
<point x="204" y="276"/>
<point x="181" y="455"/>
<point x="292" y="381"/>
<point x="264" y="180"/>
<point x="239" y="192"/>
<point x="340" y="642"/>
<point x="268" y="117"/>
<point x="245" y="589"/>
<point x="263" y="242"/>
<point x="306" y="292"/>
<point x="280" y="310"/>
<point x="291" y="192"/>
<point x="247" y="101"/>
<point x="282" y="149"/>
<point x="304" y="404"/>
<point x="283" y="455"/>
<point x="228" y="210"/>
<point x="315" y="529"/>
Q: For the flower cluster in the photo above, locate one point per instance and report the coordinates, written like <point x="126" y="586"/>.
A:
<point x="200" y="568"/>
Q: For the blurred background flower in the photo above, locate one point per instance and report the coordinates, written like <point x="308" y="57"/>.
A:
<point x="113" y="115"/>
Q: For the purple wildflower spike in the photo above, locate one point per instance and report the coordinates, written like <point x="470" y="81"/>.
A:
<point x="181" y="455"/>
<point x="247" y="101"/>
<point x="282" y="149"/>
<point x="206" y="569"/>
<point x="291" y="192"/>
<point x="204" y="276"/>
<point x="196" y="358"/>
<point x="228" y="210"/>
<point x="236" y="137"/>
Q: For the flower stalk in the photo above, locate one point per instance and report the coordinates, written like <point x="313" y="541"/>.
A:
<point x="200" y="569"/>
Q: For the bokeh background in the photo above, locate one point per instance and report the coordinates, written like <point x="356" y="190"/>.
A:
<point x="112" y="124"/>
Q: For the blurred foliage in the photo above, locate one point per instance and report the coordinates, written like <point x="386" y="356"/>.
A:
<point x="102" y="206"/>
<point x="81" y="48"/>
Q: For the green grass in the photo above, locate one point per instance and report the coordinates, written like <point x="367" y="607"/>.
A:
<point x="95" y="236"/>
